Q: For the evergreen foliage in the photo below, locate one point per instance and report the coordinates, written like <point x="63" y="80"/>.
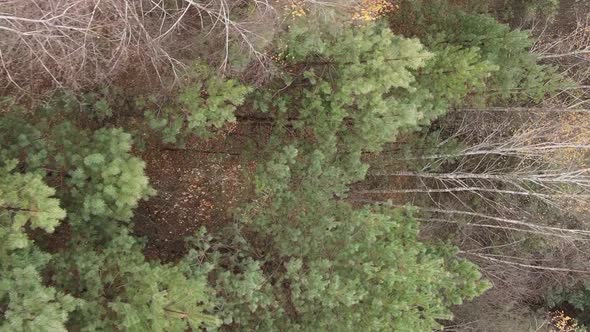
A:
<point x="452" y="76"/>
<point x="99" y="183"/>
<point x="106" y="181"/>
<point x="355" y="92"/>
<point x="302" y="258"/>
<point x="513" y="74"/>
<point x="354" y="95"/>
<point x="304" y="261"/>
<point x="99" y="176"/>
<point x="207" y="103"/>
<point x="25" y="199"/>
<point x="27" y="304"/>
<point x="529" y="9"/>
<point x="578" y="296"/>
<point x="121" y="291"/>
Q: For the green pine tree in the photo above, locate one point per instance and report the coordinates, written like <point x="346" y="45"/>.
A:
<point x="122" y="291"/>
<point x="27" y="304"/>
<point x="515" y="75"/>
<point x="205" y="104"/>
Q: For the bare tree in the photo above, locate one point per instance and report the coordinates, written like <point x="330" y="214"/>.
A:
<point x="78" y="43"/>
<point x="570" y="51"/>
<point x="571" y="44"/>
<point x="505" y="160"/>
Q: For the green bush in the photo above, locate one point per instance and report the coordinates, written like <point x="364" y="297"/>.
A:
<point x="577" y="296"/>
<point x="529" y="9"/>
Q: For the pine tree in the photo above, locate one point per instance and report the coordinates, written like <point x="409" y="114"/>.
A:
<point x="317" y="264"/>
<point x="109" y="284"/>
<point x="355" y="95"/>
<point x="302" y="258"/>
<point x="121" y="291"/>
<point x="209" y="102"/>
<point x="454" y="76"/>
<point x="515" y="74"/>
<point x="104" y="180"/>
<point x="25" y="199"/>
<point x="98" y="177"/>
<point x="27" y="304"/>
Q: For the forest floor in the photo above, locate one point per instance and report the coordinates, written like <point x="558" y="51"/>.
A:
<point x="199" y="185"/>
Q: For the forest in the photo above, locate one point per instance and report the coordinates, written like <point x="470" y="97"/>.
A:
<point x="294" y="165"/>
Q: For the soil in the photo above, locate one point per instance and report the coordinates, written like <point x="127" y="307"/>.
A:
<point x="200" y="185"/>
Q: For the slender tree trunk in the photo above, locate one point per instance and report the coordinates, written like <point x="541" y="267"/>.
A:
<point x="524" y="110"/>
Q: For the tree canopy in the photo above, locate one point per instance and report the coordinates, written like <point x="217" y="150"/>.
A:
<point x="296" y="251"/>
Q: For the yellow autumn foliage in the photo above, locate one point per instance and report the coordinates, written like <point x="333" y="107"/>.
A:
<point x="370" y="10"/>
